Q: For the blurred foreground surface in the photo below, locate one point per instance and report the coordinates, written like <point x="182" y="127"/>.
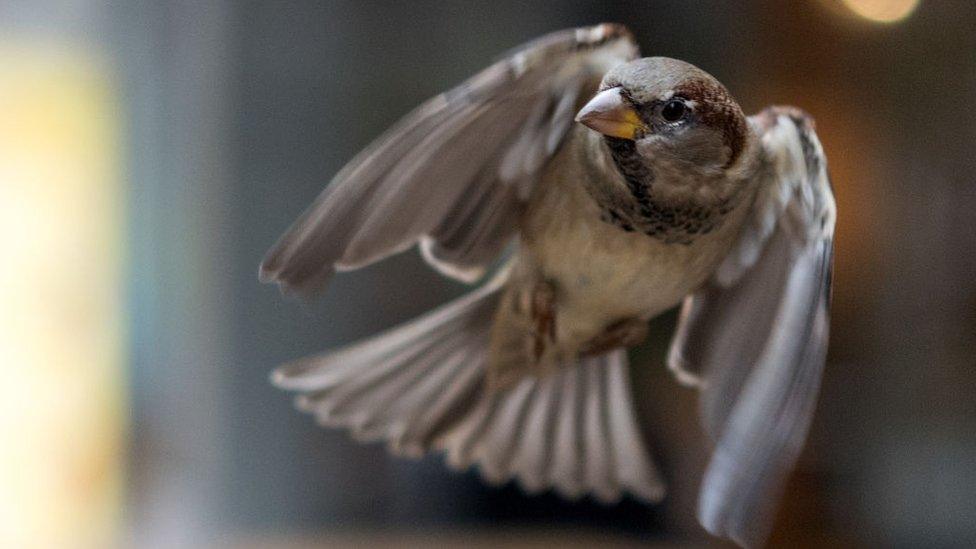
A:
<point x="150" y="152"/>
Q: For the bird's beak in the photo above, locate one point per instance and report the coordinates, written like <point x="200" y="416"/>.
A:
<point x="610" y="114"/>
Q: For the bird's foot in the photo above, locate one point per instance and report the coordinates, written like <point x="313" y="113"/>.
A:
<point x="624" y="333"/>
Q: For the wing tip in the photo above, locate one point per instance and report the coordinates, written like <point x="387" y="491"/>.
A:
<point x="748" y="540"/>
<point x="268" y="271"/>
<point x="288" y="377"/>
<point x="305" y="286"/>
<point x="279" y="378"/>
<point x="274" y="261"/>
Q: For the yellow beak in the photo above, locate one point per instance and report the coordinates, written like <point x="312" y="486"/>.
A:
<point x="610" y="114"/>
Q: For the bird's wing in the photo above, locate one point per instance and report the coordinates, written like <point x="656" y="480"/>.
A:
<point x="453" y="173"/>
<point x="755" y="338"/>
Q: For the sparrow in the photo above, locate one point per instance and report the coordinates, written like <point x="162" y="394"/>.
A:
<point x="586" y="190"/>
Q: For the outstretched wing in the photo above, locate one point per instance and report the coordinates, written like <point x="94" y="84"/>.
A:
<point x="755" y="339"/>
<point x="452" y="174"/>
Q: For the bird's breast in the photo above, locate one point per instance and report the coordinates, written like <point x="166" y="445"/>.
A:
<point x="603" y="273"/>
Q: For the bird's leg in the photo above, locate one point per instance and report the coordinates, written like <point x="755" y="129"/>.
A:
<point x="523" y="333"/>
<point x="623" y="333"/>
<point x="541" y="307"/>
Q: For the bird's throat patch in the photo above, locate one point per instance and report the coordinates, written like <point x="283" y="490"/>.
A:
<point x="673" y="223"/>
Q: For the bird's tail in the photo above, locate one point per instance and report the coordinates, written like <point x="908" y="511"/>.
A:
<point x="422" y="386"/>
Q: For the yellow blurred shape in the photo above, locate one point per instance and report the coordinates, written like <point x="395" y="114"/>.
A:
<point x="61" y="350"/>
<point x="882" y="11"/>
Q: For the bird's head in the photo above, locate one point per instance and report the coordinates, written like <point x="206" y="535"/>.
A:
<point x="673" y="113"/>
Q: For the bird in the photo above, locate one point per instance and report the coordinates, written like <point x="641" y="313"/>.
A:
<point x="582" y="190"/>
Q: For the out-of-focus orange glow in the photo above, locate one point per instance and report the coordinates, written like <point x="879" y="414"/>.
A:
<point x="882" y="11"/>
<point x="61" y="391"/>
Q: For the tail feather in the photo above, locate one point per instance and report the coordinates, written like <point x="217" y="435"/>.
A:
<point x="598" y="454"/>
<point x="422" y="386"/>
<point x="534" y="452"/>
<point x="567" y="463"/>
<point x="452" y="399"/>
<point x="633" y="466"/>
<point x="496" y="446"/>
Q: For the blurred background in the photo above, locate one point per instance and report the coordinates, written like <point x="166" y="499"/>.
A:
<point x="150" y="152"/>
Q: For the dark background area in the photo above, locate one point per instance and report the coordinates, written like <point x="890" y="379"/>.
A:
<point x="236" y="115"/>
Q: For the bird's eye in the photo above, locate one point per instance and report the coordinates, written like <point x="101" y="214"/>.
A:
<point x="673" y="110"/>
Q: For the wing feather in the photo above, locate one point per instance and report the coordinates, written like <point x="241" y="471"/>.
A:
<point x="755" y="338"/>
<point x="453" y="173"/>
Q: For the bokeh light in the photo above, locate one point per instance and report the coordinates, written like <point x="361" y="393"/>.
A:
<point x="61" y="331"/>
<point x="882" y="11"/>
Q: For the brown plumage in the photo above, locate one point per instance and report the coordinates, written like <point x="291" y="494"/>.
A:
<point x="663" y="193"/>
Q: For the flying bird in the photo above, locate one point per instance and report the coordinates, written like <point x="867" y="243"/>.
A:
<point x="586" y="190"/>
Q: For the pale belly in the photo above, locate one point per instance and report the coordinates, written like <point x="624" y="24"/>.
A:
<point x="602" y="274"/>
